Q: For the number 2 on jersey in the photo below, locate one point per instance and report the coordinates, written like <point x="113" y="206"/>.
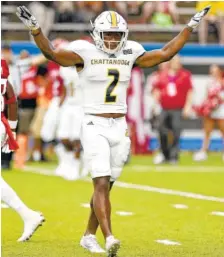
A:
<point x="109" y="97"/>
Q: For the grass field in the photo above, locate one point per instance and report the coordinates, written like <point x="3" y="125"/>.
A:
<point x="145" y="193"/>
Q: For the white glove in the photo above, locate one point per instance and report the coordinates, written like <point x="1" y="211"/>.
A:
<point x="5" y="148"/>
<point x="196" y="19"/>
<point x="27" y="18"/>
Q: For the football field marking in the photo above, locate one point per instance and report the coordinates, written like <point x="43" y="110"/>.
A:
<point x="139" y="187"/>
<point x="85" y="205"/>
<point x="167" y="242"/>
<point x="124" y="213"/>
<point x="218" y="213"/>
<point x="180" y="206"/>
<point x="177" y="168"/>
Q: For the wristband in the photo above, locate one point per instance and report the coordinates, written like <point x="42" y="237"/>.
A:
<point x="34" y="35"/>
<point x="13" y="123"/>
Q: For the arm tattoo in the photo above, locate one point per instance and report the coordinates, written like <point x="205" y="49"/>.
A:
<point x="48" y="54"/>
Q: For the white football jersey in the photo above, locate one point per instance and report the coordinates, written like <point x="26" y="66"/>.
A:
<point x="105" y="78"/>
<point x="71" y="83"/>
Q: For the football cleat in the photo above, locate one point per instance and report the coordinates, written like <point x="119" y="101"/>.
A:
<point x="112" y="246"/>
<point x="31" y="224"/>
<point x="90" y="243"/>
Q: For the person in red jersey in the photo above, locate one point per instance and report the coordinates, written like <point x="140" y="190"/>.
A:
<point x="32" y="219"/>
<point x="212" y="110"/>
<point x="8" y="136"/>
<point x="27" y="103"/>
<point x="173" y="91"/>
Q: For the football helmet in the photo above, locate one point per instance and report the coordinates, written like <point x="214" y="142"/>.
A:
<point x="109" y="21"/>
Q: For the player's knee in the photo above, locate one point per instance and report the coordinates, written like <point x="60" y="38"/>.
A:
<point x="102" y="184"/>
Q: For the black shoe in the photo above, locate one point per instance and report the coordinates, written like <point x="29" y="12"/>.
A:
<point x="43" y="158"/>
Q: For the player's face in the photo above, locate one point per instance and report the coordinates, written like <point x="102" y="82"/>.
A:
<point x="112" y="39"/>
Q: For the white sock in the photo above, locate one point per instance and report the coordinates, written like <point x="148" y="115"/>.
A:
<point x="9" y="196"/>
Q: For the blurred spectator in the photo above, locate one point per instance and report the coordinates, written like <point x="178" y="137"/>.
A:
<point x="89" y="10"/>
<point x="213" y="21"/>
<point x="50" y="85"/>
<point x="162" y="13"/>
<point x="152" y="108"/>
<point x="6" y="53"/>
<point x="44" y="13"/>
<point x="135" y="114"/>
<point x="66" y="11"/>
<point x="130" y="10"/>
<point x="27" y="104"/>
<point x="213" y="110"/>
<point x="173" y="90"/>
<point x="44" y="82"/>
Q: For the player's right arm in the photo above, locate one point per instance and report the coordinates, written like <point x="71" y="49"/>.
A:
<point x="61" y="56"/>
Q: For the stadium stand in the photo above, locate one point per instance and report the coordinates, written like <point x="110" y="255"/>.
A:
<point x="66" y="15"/>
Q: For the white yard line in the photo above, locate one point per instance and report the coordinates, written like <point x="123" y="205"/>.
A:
<point x="167" y="242"/>
<point x="140" y="187"/>
<point x="124" y="213"/>
<point x="85" y="205"/>
<point x="196" y="169"/>
<point x="180" y="206"/>
<point x="217" y="213"/>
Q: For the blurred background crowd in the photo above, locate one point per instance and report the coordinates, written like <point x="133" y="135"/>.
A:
<point x="161" y="16"/>
<point x="170" y="121"/>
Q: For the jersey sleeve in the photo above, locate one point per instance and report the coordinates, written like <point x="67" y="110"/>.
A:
<point x="80" y="47"/>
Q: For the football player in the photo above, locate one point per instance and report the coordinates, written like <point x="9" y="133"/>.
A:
<point x="69" y="127"/>
<point x="106" y="71"/>
<point x="32" y="219"/>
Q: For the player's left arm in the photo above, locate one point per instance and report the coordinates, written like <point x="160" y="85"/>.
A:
<point x="152" y="58"/>
<point x="12" y="107"/>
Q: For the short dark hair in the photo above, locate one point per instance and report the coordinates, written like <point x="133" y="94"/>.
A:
<point x="42" y="70"/>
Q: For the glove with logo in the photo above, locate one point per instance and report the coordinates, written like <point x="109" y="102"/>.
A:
<point x="27" y="18"/>
<point x="196" y="19"/>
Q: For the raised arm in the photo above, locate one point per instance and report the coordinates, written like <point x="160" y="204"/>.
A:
<point x="152" y="58"/>
<point x="60" y="56"/>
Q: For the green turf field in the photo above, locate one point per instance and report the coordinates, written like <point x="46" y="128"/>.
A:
<point x="198" y="233"/>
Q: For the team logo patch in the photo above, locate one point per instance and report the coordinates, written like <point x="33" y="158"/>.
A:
<point x="112" y="56"/>
<point x="127" y="51"/>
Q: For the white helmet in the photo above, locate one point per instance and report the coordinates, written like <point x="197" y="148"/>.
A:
<point x="109" y="21"/>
